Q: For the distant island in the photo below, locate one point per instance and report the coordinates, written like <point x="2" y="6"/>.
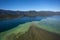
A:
<point x="7" y="14"/>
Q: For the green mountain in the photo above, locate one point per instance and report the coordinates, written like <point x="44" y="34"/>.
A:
<point x="29" y="31"/>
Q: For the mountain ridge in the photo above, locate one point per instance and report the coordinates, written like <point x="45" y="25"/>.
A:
<point x="7" y="14"/>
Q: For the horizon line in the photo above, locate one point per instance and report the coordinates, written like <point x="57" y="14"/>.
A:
<point x="30" y="10"/>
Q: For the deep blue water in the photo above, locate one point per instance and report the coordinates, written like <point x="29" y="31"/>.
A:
<point x="11" y="23"/>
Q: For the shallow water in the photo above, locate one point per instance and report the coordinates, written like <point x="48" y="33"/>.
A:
<point x="51" y="24"/>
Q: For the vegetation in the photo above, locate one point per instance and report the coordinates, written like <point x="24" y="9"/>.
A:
<point x="29" y="31"/>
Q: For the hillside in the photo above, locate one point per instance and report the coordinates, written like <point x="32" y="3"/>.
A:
<point x="7" y="14"/>
<point x="35" y="33"/>
<point x="29" y="31"/>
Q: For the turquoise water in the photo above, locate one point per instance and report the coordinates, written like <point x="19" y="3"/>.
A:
<point x="51" y="24"/>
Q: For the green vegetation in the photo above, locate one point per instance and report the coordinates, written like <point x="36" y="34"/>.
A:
<point x="19" y="29"/>
<point x="50" y="25"/>
<point x="30" y="31"/>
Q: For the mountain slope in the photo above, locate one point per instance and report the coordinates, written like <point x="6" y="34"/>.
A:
<point x="35" y="33"/>
<point x="30" y="32"/>
<point x="19" y="29"/>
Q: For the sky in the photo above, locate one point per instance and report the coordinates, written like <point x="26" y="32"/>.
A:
<point x="25" y="5"/>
